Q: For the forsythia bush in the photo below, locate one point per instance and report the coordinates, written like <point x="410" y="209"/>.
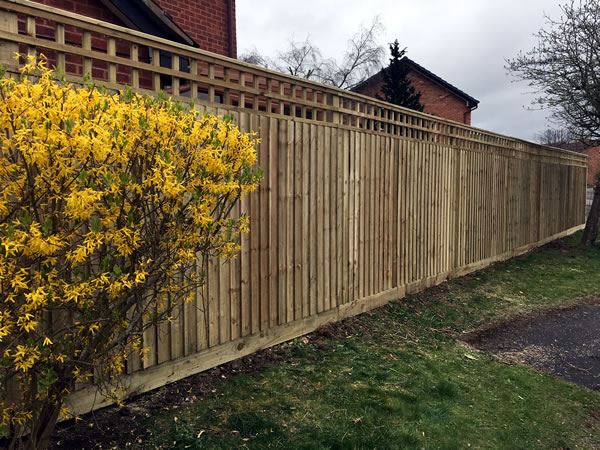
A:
<point x="106" y="200"/>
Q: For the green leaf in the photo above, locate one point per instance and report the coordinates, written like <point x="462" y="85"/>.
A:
<point x="47" y="225"/>
<point x="95" y="224"/>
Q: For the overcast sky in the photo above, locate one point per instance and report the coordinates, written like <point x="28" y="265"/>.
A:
<point x="463" y="41"/>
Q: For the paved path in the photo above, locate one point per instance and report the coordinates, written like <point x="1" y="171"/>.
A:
<point x="564" y="342"/>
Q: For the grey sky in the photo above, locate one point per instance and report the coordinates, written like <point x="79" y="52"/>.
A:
<point x="463" y="41"/>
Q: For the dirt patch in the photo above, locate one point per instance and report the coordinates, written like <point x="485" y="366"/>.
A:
<point x="121" y="428"/>
<point x="564" y="342"/>
<point x="118" y="428"/>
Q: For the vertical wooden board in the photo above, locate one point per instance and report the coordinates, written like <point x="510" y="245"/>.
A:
<point x="436" y="219"/>
<point x="396" y="205"/>
<point x="235" y="280"/>
<point x="368" y="214"/>
<point x="333" y="212"/>
<point x="290" y="231"/>
<point x="224" y="300"/>
<point x="388" y="211"/>
<point x="326" y="218"/>
<point x="306" y="212"/>
<point x="376" y="236"/>
<point x="362" y="211"/>
<point x="464" y="200"/>
<point x="491" y="207"/>
<point x="282" y="222"/>
<point x="402" y="213"/>
<point x="420" y="258"/>
<point x="426" y="208"/>
<point x="235" y="292"/>
<point x="477" y="235"/>
<point x="488" y="203"/>
<point x="477" y="186"/>
<point x="456" y="219"/>
<point x="447" y="203"/>
<point x="213" y="301"/>
<point x="246" y="244"/>
<point x="150" y="343"/>
<point x="469" y="207"/>
<point x="313" y="217"/>
<point x="357" y="213"/>
<point x="255" y="222"/>
<point x="341" y="219"/>
<point x="177" y="331"/>
<point x="201" y="305"/>
<point x="394" y="213"/>
<point x="274" y="215"/>
<point x="432" y="219"/>
<point x="383" y="209"/>
<point x="298" y="221"/>
<point x="372" y="213"/>
<point x="453" y="177"/>
<point x="264" y="211"/>
<point x="409" y="235"/>
<point x="350" y="202"/>
<point x="320" y="225"/>
<point x="420" y="181"/>
<point x="494" y="203"/>
<point x="439" y="236"/>
<point x="163" y="352"/>
<point x="434" y="216"/>
<point x="472" y="199"/>
<point x="448" y="213"/>
<point x="382" y="182"/>
<point x="467" y="200"/>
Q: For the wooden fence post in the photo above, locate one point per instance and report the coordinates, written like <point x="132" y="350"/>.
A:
<point x="8" y="22"/>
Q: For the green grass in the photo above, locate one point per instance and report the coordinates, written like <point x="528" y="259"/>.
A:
<point x="399" y="378"/>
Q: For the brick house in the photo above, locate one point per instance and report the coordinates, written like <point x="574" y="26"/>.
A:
<point x="593" y="154"/>
<point x="207" y="24"/>
<point x="438" y="97"/>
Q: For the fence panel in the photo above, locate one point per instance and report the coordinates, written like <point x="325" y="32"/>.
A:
<point x="360" y="203"/>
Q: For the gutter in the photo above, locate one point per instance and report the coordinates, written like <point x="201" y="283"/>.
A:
<point x="471" y="109"/>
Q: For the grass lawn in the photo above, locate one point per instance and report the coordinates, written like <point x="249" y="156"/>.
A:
<point x="400" y="378"/>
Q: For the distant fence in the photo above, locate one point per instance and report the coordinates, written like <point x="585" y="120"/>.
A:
<point x="361" y="201"/>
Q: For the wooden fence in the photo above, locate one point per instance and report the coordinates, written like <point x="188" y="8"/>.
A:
<point x="361" y="201"/>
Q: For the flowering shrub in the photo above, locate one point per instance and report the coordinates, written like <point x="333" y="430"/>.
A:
<point x="106" y="200"/>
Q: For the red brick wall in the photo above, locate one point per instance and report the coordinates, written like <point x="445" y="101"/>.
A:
<point x="208" y="22"/>
<point x="439" y="101"/>
<point x="436" y="99"/>
<point x="593" y="161"/>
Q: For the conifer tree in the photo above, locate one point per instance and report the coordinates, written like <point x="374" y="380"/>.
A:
<point x="397" y="88"/>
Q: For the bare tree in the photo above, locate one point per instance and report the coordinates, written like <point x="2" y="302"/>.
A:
<point x="556" y="137"/>
<point x="252" y="56"/>
<point x="362" y="58"/>
<point x="564" y="70"/>
<point x="303" y="59"/>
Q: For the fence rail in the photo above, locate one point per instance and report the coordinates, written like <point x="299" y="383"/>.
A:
<point x="361" y="201"/>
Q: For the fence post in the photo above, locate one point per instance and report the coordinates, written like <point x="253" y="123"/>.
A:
<point x="8" y="22"/>
<point x="335" y="103"/>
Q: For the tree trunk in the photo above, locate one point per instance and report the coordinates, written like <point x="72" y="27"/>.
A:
<point x="591" y="226"/>
<point x="41" y="430"/>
